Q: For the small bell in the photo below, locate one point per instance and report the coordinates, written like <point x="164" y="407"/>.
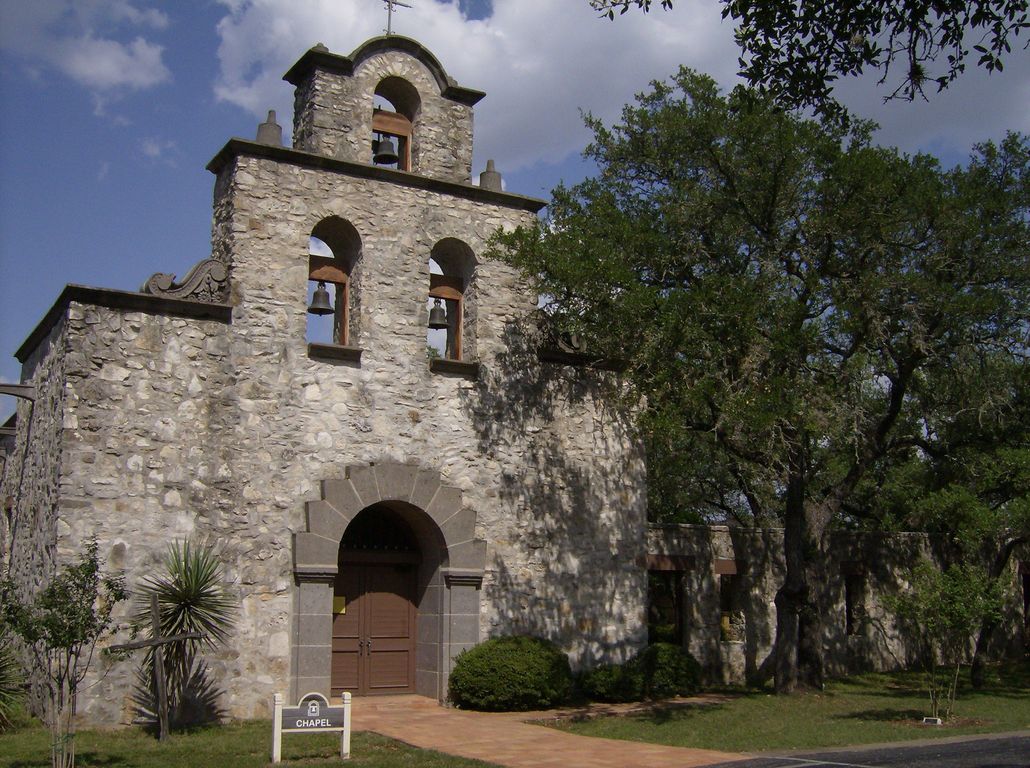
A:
<point x="438" y="316"/>
<point x="320" y="304"/>
<point x="386" y="152"/>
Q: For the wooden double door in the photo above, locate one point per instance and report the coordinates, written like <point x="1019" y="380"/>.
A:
<point x="374" y="628"/>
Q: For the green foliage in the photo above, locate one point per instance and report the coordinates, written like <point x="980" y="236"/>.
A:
<point x="668" y="670"/>
<point x="11" y="679"/>
<point x="613" y="682"/>
<point x="946" y="608"/>
<point x="798" y="51"/>
<point x="61" y="625"/>
<point x="514" y="673"/>
<point x="191" y="597"/>
<point x="659" y="671"/>
<point x="799" y="310"/>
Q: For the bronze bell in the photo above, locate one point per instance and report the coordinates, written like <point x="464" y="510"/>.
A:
<point x="386" y="151"/>
<point x="438" y="316"/>
<point x="320" y="304"/>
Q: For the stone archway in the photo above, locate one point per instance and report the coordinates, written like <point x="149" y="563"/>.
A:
<point x="448" y="608"/>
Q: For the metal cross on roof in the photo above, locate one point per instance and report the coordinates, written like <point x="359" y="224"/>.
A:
<point x="389" y="13"/>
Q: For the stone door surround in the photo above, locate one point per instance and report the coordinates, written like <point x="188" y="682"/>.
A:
<point x="451" y="591"/>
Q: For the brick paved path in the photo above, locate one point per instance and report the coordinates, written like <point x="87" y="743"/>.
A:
<point x="506" y="739"/>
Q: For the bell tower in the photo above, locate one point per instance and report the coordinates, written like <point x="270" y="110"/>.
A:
<point x="391" y="89"/>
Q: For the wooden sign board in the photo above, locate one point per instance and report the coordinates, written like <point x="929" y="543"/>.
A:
<point x="312" y="715"/>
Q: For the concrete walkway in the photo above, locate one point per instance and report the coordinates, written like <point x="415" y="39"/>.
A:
<point x="506" y="739"/>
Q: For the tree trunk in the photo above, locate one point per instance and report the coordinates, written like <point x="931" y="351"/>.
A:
<point x="798" y="647"/>
<point x="978" y="669"/>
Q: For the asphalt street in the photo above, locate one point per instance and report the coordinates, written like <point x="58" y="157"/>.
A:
<point x="1008" y="750"/>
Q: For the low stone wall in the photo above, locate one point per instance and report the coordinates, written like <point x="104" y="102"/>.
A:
<point x="729" y="578"/>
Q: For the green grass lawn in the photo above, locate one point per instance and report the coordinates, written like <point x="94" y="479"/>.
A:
<point x="863" y="709"/>
<point x="242" y="745"/>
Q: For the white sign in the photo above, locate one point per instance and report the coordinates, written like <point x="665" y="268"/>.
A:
<point x="311" y="715"/>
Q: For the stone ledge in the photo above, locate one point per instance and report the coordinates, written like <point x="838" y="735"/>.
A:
<point x="457" y="367"/>
<point x="236" y="147"/>
<point x="334" y="352"/>
<point x="114" y="299"/>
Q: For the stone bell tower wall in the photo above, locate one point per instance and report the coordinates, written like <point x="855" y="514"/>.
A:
<point x="334" y="100"/>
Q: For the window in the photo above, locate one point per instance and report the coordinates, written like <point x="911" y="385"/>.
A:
<point x="335" y="249"/>
<point x="732" y="623"/>
<point x="395" y="109"/>
<point x="854" y="597"/>
<point x="451" y="334"/>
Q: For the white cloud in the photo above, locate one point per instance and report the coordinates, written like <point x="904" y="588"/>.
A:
<point x="541" y="62"/>
<point x="163" y="150"/>
<point x="84" y="40"/>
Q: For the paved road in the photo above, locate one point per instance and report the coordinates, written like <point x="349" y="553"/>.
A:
<point x="1007" y="750"/>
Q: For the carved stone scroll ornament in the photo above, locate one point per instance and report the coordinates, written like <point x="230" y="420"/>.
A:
<point x="207" y="281"/>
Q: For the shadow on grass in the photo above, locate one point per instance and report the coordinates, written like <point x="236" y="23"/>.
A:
<point x="886" y="715"/>
<point x="88" y="759"/>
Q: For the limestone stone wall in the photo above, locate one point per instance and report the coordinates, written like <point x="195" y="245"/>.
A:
<point x="32" y="468"/>
<point x="555" y="478"/>
<point x="877" y="562"/>
<point x="333" y="113"/>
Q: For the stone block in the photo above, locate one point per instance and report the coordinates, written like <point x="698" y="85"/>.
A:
<point x="314" y="629"/>
<point x="324" y="520"/>
<point x="396" y="481"/>
<point x="342" y="496"/>
<point x="313" y="551"/>
<point x="314" y="660"/>
<point x="314" y="598"/>
<point x="464" y="629"/>
<point x="364" y="481"/>
<point x="427" y="482"/>
<point x="464" y="600"/>
<point x="427" y="682"/>
<point x="314" y="684"/>
<point x="461" y="526"/>
<point x="468" y="554"/>
<point x="445" y="504"/>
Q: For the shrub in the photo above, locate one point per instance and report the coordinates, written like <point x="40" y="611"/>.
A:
<point x="613" y="682"/>
<point x="509" y="674"/>
<point x="668" y="670"/>
<point x="659" y="671"/>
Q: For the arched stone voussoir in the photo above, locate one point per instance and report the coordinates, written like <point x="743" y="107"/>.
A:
<point x="325" y="520"/>
<point x="342" y="496"/>
<point x="445" y="504"/>
<point x="396" y="481"/>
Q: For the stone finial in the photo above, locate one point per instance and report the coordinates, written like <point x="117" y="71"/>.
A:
<point x="320" y="47"/>
<point x="491" y="178"/>
<point x="270" y="132"/>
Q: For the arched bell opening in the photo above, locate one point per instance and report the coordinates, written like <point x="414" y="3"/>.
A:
<point x="395" y="110"/>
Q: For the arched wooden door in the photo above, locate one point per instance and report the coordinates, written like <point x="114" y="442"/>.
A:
<point x="374" y="614"/>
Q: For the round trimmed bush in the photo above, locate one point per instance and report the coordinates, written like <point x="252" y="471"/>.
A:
<point x="511" y="674"/>
<point x="668" y="670"/>
<point x="613" y="682"/>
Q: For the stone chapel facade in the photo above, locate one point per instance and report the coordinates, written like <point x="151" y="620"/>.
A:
<point x="378" y="509"/>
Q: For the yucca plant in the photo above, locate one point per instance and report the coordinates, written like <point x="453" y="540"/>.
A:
<point x="11" y="680"/>
<point x="191" y="597"/>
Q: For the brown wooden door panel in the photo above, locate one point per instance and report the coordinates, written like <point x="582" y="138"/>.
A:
<point x="389" y="671"/>
<point x="373" y="642"/>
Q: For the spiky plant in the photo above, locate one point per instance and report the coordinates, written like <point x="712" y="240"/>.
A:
<point x="11" y="680"/>
<point x="191" y="597"/>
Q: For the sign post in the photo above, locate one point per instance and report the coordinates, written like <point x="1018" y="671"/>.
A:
<point x="312" y="715"/>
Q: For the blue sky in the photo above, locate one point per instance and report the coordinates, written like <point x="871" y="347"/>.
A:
<point x="112" y="108"/>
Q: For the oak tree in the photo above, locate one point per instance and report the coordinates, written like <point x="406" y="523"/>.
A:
<point x="792" y="304"/>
